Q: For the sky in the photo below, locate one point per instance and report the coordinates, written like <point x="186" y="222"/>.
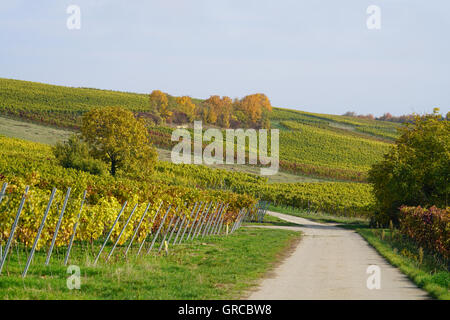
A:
<point x="317" y="55"/>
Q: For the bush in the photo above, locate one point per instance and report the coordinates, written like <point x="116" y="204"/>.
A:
<point x="416" y="170"/>
<point x="430" y="228"/>
<point x="74" y="153"/>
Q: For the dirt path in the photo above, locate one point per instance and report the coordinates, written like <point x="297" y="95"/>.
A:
<point x="331" y="263"/>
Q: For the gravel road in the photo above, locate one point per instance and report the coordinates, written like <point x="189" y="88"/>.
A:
<point x="331" y="263"/>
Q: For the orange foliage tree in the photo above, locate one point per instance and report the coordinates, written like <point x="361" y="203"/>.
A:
<point x="187" y="107"/>
<point x="159" y="104"/>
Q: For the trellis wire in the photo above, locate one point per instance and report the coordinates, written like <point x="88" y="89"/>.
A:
<point x="159" y="229"/>
<point x="173" y="229"/>
<point x="137" y="229"/>
<point x="213" y="219"/>
<point x="168" y="230"/>
<point x="244" y="215"/>
<point x="222" y="214"/>
<point x="187" y="223"/>
<point x="214" y="223"/>
<point x="13" y="228"/>
<point x="236" y="222"/>
<point x="206" y="221"/>
<point x="69" y="248"/>
<point x="121" y="232"/>
<point x="179" y="229"/>
<point x="219" y="226"/>
<point x="38" y="235"/>
<point x="200" y="224"/>
<point x="150" y="228"/>
<point x="110" y="232"/>
<point x="194" y="221"/>
<point x="210" y="219"/>
<point x="3" y="192"/>
<point x="191" y="226"/>
<point x="58" y="225"/>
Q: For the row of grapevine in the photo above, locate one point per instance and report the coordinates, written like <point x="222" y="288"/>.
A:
<point x="95" y="218"/>
<point x="35" y="223"/>
<point x="23" y="163"/>
<point x="342" y="198"/>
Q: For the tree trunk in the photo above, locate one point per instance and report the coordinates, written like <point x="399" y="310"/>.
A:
<point x="113" y="168"/>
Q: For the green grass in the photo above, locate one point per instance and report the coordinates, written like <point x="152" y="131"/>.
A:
<point x="213" y="268"/>
<point x="272" y="221"/>
<point x="321" y="216"/>
<point x="32" y="132"/>
<point x="428" y="273"/>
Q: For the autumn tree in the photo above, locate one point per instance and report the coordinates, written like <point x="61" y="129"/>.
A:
<point x="159" y="104"/>
<point x="218" y="110"/>
<point x="187" y="107"/>
<point x="115" y="136"/>
<point x="256" y="108"/>
<point x="416" y="170"/>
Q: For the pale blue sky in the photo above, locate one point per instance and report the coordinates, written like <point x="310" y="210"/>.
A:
<point x="311" y="55"/>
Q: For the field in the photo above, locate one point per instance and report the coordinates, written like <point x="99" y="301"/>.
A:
<point x="380" y="130"/>
<point x="323" y="147"/>
<point x="32" y="132"/>
<point x="33" y="163"/>
<point x="315" y="145"/>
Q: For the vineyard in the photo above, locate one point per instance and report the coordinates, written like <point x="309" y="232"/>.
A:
<point x="317" y="146"/>
<point x="23" y="163"/>
<point x="61" y="220"/>
<point x="353" y="126"/>
<point x="333" y="147"/>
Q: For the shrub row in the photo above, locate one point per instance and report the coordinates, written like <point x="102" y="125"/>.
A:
<point x="430" y="227"/>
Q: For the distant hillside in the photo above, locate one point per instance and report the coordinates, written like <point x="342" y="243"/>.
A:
<point x="320" y="145"/>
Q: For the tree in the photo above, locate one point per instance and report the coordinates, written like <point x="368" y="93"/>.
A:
<point x="74" y="153"/>
<point x="159" y="104"/>
<point x="385" y="117"/>
<point x="114" y="135"/>
<point x="416" y="170"/>
<point x="256" y="107"/>
<point x="219" y="110"/>
<point x="187" y="107"/>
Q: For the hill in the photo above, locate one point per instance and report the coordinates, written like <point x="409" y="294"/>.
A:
<point x="318" y="145"/>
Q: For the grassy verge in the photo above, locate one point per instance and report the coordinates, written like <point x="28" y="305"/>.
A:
<point x="272" y="221"/>
<point x="321" y="216"/>
<point x="213" y="268"/>
<point x="423" y="268"/>
<point x="32" y="132"/>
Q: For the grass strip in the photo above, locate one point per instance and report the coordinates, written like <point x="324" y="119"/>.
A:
<point x="218" y="267"/>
